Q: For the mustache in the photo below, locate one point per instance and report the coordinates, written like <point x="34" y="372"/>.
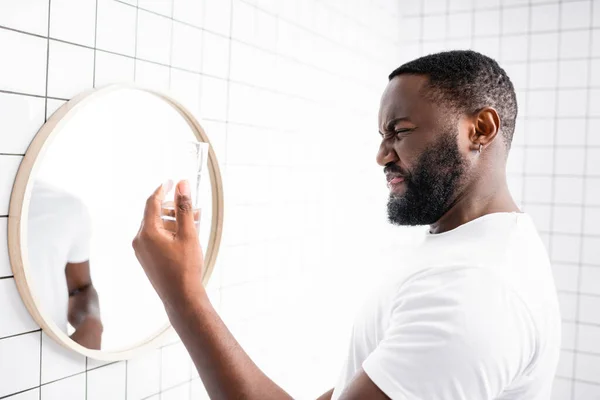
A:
<point x="396" y="170"/>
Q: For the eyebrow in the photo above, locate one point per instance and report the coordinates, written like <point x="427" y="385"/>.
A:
<point x="390" y="125"/>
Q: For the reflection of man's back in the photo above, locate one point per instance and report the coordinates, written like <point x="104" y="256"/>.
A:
<point x="59" y="230"/>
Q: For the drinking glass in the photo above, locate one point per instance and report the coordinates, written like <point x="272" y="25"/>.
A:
<point x="183" y="160"/>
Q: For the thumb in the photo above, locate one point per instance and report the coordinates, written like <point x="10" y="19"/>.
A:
<point x="185" y="212"/>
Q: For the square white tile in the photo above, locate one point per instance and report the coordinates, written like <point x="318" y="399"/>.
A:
<point x="586" y="390"/>
<point x="189" y="11"/>
<point x="213" y="99"/>
<point x="544" y="17"/>
<point x="590" y="226"/>
<point x="587" y="367"/>
<point x="15" y="318"/>
<point x="152" y="76"/>
<point x="593" y="161"/>
<point x="488" y="46"/>
<point x="590" y="276"/>
<point x="487" y="22"/>
<point x="595" y="76"/>
<point x="181" y="392"/>
<point x="5" y="269"/>
<point x="588" y="309"/>
<point x="575" y="15"/>
<point x="52" y="106"/>
<point x="541" y="103"/>
<point x="594" y="106"/>
<point x="23" y="66"/>
<point x="590" y="253"/>
<point x="217" y="15"/>
<point x="65" y="26"/>
<point x="573" y="74"/>
<point x="8" y="166"/>
<point x="568" y="336"/>
<point x="568" y="306"/>
<point x="571" y="132"/>
<point x="454" y="5"/>
<point x="265" y="36"/>
<point x="561" y="389"/>
<point x="539" y="132"/>
<point x="544" y="46"/>
<point x="59" y="362"/>
<point x="515" y="20"/>
<point x="186" y="88"/>
<point x="588" y="338"/>
<point x="459" y="26"/>
<point x="434" y="6"/>
<point x="592" y="191"/>
<point x="540" y="215"/>
<point x="28" y="16"/>
<point x="572" y="103"/>
<point x="116" y="27"/>
<point x="187" y="47"/>
<point x="514" y="48"/>
<point x="163" y="7"/>
<point x="215" y="55"/>
<point x="593" y="126"/>
<point x="568" y="190"/>
<point x="543" y="74"/>
<point x="538" y="160"/>
<point x="243" y="23"/>
<point x="569" y="161"/>
<point x="567" y="219"/>
<point x="20" y="363"/>
<point x="434" y="27"/>
<point x="538" y="189"/>
<point x="565" y="249"/>
<point x="70" y="70"/>
<point x="107" y="382"/>
<point x="176" y="365"/>
<point x="565" y="364"/>
<point x="72" y="388"/>
<point x="153" y="37"/>
<point x="113" y="68"/>
<point x="566" y="276"/>
<point x="574" y="44"/>
<point x="20" y="118"/>
<point x="143" y="375"/>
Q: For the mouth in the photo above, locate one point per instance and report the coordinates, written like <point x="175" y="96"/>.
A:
<point x="395" y="181"/>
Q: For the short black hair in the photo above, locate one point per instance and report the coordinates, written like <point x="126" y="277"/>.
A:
<point x="467" y="81"/>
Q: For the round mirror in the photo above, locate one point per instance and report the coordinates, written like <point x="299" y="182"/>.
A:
<point x="77" y="204"/>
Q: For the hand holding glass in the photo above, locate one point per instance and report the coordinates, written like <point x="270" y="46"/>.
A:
<point x="183" y="161"/>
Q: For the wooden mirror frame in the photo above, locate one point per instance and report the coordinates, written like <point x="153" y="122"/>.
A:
<point x="19" y="207"/>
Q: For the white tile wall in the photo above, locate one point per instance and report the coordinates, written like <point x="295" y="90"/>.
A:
<point x="266" y="98"/>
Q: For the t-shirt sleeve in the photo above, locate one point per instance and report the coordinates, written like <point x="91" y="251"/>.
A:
<point x="82" y="234"/>
<point x="454" y="333"/>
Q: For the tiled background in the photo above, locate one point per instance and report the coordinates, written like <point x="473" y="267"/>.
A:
<point x="288" y="92"/>
<point x="551" y="51"/>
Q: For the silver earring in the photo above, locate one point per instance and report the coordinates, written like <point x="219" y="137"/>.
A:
<point x="480" y="147"/>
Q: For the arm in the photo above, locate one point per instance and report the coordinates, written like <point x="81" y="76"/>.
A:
<point x="173" y="262"/>
<point x="84" y="309"/>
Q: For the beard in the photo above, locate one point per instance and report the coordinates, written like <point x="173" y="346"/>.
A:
<point x="431" y="186"/>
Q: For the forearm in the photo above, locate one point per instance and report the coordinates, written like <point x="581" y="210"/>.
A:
<point x="83" y="304"/>
<point x="226" y="370"/>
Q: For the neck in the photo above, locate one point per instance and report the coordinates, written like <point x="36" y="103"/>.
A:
<point x="482" y="199"/>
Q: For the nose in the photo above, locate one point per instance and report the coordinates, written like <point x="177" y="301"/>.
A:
<point x="386" y="154"/>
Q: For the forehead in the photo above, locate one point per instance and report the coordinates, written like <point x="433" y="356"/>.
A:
<point x="403" y="97"/>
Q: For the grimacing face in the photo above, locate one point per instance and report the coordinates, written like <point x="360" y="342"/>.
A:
<point x="423" y="152"/>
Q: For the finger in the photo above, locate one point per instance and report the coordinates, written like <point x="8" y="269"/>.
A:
<point x="185" y="212"/>
<point x="152" y="218"/>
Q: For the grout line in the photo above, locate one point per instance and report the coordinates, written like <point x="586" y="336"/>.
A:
<point x="47" y="62"/>
<point x="19" y="392"/>
<point x="170" y="388"/>
<point x="583" y="194"/>
<point x="20" y="334"/>
<point x="95" y="42"/>
<point x="12" y="154"/>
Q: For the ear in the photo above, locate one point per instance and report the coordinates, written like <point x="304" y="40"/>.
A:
<point x="487" y="126"/>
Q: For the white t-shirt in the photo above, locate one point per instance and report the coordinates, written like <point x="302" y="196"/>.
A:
<point x="59" y="230"/>
<point x="472" y="315"/>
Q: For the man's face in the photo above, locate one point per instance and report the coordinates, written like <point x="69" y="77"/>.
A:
<point x="420" y="151"/>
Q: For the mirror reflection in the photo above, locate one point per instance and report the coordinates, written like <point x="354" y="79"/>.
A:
<point x="102" y="160"/>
